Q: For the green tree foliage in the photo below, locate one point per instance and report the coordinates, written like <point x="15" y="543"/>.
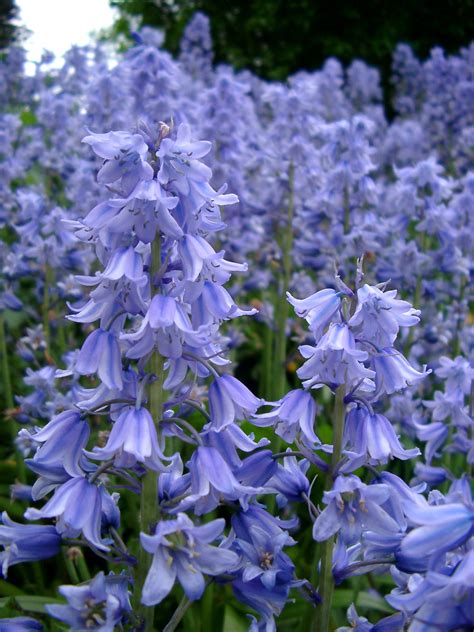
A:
<point x="8" y="31"/>
<point x="275" y="38"/>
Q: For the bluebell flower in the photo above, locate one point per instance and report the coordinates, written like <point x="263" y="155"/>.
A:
<point x="125" y="262"/>
<point x="9" y="301"/>
<point x="182" y="551"/>
<point x="20" y="491"/>
<point x="441" y="528"/>
<point x="430" y="474"/>
<point x="172" y="483"/>
<point x="101" y="604"/>
<point x="294" y="413"/>
<point x="147" y="210"/>
<point x="20" y="624"/>
<point x="268" y="602"/>
<point x="78" y="506"/>
<point x="457" y="373"/>
<point x="379" y="315"/>
<point x="230" y="400"/>
<point x="230" y="439"/>
<point x="166" y="327"/>
<point x="125" y="156"/>
<point x="449" y="404"/>
<point x="256" y="515"/>
<point x="441" y="599"/>
<point x="319" y="309"/>
<point x="353" y="507"/>
<point x="63" y="439"/>
<point x="392" y="623"/>
<point x="290" y="481"/>
<point x="133" y="439"/>
<point x="212" y="482"/>
<point x="26" y="543"/>
<point x="373" y="436"/>
<point x="393" y="371"/>
<point x="219" y="304"/>
<point x="434" y="434"/>
<point x="100" y="354"/>
<point x="335" y="360"/>
<point x="263" y="558"/>
<point x="196" y="48"/>
<point x="257" y="469"/>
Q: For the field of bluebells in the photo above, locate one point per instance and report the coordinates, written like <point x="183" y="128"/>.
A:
<point x="236" y="350"/>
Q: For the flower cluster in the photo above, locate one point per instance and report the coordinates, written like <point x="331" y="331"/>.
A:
<point x="151" y="461"/>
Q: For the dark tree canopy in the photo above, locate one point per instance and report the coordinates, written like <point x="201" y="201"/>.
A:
<point x="8" y="11"/>
<point x="275" y="38"/>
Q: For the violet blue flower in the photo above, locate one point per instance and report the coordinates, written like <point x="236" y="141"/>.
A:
<point x="182" y="551"/>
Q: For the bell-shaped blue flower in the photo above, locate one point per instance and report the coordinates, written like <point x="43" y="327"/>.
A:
<point x="26" y="543"/>
<point x="335" y="360"/>
<point x="229" y="400"/>
<point x="379" y="316"/>
<point x="393" y="371"/>
<point x="183" y="551"/>
<point x="133" y="439"/>
<point x="101" y="604"/>
<point x="78" y="506"/>
<point x="100" y="354"/>
<point x="294" y="413"/>
<point x="319" y="309"/>
<point x="373" y="436"/>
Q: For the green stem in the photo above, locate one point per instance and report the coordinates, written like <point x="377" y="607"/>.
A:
<point x="7" y="385"/>
<point x="82" y="567"/>
<point x="471" y="428"/>
<point x="457" y="338"/>
<point x="9" y="402"/>
<point x="266" y="381"/>
<point x="347" y="212"/>
<point x="48" y="281"/>
<point x="321" y="621"/>
<point x="71" y="569"/>
<point x="281" y="303"/>
<point x="149" y="509"/>
<point x="178" y="614"/>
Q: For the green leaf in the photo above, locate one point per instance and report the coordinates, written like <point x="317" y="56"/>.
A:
<point x="35" y="603"/>
<point x="373" y="602"/>
<point x="28" y="118"/>
<point x="8" y="590"/>
<point x="369" y="601"/>
<point x="233" y="622"/>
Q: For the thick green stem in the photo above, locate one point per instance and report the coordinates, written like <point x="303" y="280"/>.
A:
<point x="178" y="614"/>
<point x="418" y="295"/>
<point x="149" y="509"/>
<point x="9" y="402"/>
<point x="321" y="620"/>
<point x="281" y="303"/>
<point x="266" y="381"/>
<point x="471" y="429"/>
<point x="347" y="213"/>
<point x="459" y="324"/>
<point x="48" y="281"/>
<point x="7" y="384"/>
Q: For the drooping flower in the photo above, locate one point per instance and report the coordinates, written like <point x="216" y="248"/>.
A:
<point x="393" y="371"/>
<point x="183" y="551"/>
<point x="78" y="506"/>
<point x="26" y="543"/>
<point x="101" y="604"/>
<point x="294" y="413"/>
<point x="379" y="315"/>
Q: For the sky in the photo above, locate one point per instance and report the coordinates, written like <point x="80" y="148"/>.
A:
<point x="58" y="24"/>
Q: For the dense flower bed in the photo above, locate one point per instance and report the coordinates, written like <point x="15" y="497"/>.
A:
<point x="236" y="345"/>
